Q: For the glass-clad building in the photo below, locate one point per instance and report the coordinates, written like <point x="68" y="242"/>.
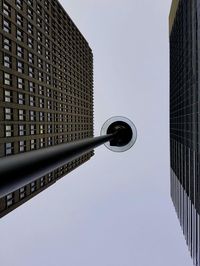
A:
<point x="46" y="87"/>
<point x="184" y="34"/>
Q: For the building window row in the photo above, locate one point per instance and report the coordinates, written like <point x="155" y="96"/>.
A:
<point x="39" y="10"/>
<point x="7" y="62"/>
<point x="50" y="118"/>
<point x="42" y="103"/>
<point x="20" y="68"/>
<point x="20" y="21"/>
<point x="31" y="59"/>
<point x="41" y="91"/>
<point x="9" y="132"/>
<point x="10" y="198"/>
<point x="9" y="146"/>
<point x="40" y="142"/>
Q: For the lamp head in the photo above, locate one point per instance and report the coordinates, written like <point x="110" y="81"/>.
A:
<point x="125" y="133"/>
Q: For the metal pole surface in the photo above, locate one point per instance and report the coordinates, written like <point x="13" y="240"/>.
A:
<point x="19" y="170"/>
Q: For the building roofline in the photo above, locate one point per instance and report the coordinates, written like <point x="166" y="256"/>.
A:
<point x="172" y="15"/>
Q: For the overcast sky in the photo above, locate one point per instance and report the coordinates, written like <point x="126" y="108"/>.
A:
<point x="116" y="209"/>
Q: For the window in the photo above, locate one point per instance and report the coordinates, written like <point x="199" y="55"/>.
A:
<point x="33" y="186"/>
<point x="47" y="54"/>
<point x="30" y="42"/>
<point x="50" y="117"/>
<point x="19" y="4"/>
<point x="31" y="86"/>
<point x="32" y="100"/>
<point x="20" y="66"/>
<point x="33" y="144"/>
<point x="30" y="28"/>
<point x="19" y="20"/>
<point x="9" y="199"/>
<point x="42" y="142"/>
<point x="31" y="72"/>
<point x="49" y="92"/>
<point x="30" y="2"/>
<point x="32" y="115"/>
<point x="20" y="83"/>
<point x="31" y="58"/>
<point x="48" y="80"/>
<point x="19" y="35"/>
<point x="39" y="9"/>
<point x="39" y="49"/>
<point x="22" y="192"/>
<point x="7" y="61"/>
<point x="41" y="129"/>
<point x="8" y="130"/>
<point x="9" y="148"/>
<point x="40" y="76"/>
<point x="49" y="104"/>
<point x="47" y="67"/>
<point x="22" y="189"/>
<point x="39" y="22"/>
<point x="46" y="18"/>
<point x="22" y="146"/>
<point x="46" y="29"/>
<point x="50" y="129"/>
<point x="39" y="36"/>
<point x="7" y="79"/>
<point x="41" y="116"/>
<point x="6" y="26"/>
<point x="50" y="142"/>
<point x="22" y="130"/>
<point x="40" y="63"/>
<point x="8" y="96"/>
<point x="6" y="9"/>
<point x="41" y="90"/>
<point x="20" y="51"/>
<point x="49" y="177"/>
<point x="47" y="42"/>
<point x="41" y="103"/>
<point x="21" y="98"/>
<point x="46" y="4"/>
<point x="22" y="115"/>
<point x="8" y="113"/>
<point x="33" y="129"/>
<point x="7" y="44"/>
<point x="30" y="13"/>
<point x="42" y="181"/>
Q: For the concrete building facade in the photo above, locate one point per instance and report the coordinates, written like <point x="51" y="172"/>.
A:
<point x="46" y="86"/>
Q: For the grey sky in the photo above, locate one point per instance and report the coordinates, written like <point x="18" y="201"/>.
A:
<point x="116" y="209"/>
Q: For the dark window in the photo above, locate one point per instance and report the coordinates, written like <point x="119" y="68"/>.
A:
<point x="6" y="9"/>
<point x="6" y="26"/>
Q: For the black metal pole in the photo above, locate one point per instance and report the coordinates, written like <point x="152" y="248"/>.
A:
<point x="19" y="170"/>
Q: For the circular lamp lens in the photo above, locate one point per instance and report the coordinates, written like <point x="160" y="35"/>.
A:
<point x="120" y="120"/>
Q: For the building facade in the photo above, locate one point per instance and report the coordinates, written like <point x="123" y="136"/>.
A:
<point x="184" y="26"/>
<point x="46" y="87"/>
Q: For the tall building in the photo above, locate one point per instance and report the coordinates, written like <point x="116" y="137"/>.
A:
<point x="184" y="26"/>
<point x="46" y="87"/>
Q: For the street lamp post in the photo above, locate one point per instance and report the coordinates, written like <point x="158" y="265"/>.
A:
<point x="16" y="171"/>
